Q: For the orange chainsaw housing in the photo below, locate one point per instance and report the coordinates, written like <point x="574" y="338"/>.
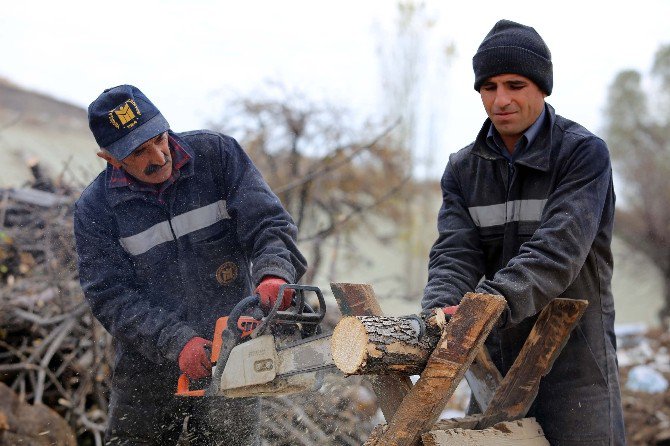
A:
<point x="245" y="323"/>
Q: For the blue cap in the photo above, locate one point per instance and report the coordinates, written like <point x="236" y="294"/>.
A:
<point x="122" y="119"/>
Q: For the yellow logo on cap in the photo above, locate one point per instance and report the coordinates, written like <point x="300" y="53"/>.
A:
<point x="125" y="115"/>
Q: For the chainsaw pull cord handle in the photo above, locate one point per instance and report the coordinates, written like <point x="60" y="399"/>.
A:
<point x="229" y="339"/>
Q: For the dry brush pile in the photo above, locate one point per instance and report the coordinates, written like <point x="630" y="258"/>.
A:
<point x="54" y="352"/>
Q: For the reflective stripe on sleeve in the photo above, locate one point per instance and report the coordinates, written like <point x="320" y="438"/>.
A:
<point x="499" y="214"/>
<point x="182" y="224"/>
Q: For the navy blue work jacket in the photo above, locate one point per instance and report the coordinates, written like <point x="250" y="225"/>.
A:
<point x="159" y="273"/>
<point x="530" y="230"/>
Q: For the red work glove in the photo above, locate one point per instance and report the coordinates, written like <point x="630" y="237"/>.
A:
<point x="268" y="290"/>
<point x="194" y="358"/>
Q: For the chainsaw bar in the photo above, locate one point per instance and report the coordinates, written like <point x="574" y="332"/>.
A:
<point x="305" y="356"/>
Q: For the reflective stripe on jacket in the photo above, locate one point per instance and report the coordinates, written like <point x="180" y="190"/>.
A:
<point x="156" y="274"/>
<point x="531" y="231"/>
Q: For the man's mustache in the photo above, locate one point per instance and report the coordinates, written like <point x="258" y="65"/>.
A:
<point x="153" y="168"/>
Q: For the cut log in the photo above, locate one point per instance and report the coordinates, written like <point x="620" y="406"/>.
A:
<point x="524" y="432"/>
<point x="465" y="333"/>
<point x="360" y="300"/>
<point x="519" y="388"/>
<point x="366" y="345"/>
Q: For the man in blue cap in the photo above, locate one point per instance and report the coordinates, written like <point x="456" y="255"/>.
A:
<point x="170" y="236"/>
<point x="527" y="213"/>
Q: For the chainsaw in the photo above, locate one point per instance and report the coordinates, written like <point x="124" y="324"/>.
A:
<point x="254" y="354"/>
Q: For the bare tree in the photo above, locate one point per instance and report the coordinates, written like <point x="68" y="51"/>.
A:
<point x="329" y="173"/>
<point x="638" y="134"/>
<point x="413" y="62"/>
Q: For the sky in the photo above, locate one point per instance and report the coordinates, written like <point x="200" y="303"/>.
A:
<point x="189" y="57"/>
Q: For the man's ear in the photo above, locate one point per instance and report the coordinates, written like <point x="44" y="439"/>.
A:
<point x="109" y="158"/>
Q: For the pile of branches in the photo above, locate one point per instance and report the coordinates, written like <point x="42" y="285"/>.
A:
<point x="53" y="351"/>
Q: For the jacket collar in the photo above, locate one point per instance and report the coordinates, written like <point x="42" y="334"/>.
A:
<point x="116" y="194"/>
<point x="536" y="156"/>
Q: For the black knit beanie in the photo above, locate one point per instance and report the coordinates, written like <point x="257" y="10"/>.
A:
<point x="512" y="48"/>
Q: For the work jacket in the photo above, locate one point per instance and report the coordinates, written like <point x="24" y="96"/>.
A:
<point x="531" y="230"/>
<point x="157" y="272"/>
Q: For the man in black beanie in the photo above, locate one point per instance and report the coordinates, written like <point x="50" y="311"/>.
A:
<point x="527" y="213"/>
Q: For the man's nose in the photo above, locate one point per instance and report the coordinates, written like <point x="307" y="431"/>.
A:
<point x="502" y="98"/>
<point x="156" y="155"/>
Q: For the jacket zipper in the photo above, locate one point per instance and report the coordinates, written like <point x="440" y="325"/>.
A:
<point x="169" y="220"/>
<point x="510" y="179"/>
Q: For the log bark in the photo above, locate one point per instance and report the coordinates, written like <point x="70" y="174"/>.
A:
<point x="465" y="333"/>
<point x="519" y="388"/>
<point x="360" y="300"/>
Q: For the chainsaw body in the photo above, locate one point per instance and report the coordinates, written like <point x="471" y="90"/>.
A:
<point x="274" y="355"/>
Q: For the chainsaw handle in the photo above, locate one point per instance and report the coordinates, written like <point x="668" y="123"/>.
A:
<point x="183" y="387"/>
<point x="299" y="314"/>
<point x="234" y="316"/>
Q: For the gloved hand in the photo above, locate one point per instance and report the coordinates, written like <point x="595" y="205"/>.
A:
<point x="194" y="358"/>
<point x="268" y="290"/>
<point x="448" y="312"/>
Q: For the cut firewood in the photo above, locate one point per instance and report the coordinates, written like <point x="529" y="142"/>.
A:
<point x="365" y="345"/>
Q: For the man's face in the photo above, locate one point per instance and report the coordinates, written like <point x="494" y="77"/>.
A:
<point x="149" y="163"/>
<point x="513" y="103"/>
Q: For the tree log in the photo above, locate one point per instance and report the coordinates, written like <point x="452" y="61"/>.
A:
<point x="379" y="345"/>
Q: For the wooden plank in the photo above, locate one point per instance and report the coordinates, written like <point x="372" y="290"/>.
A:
<point x="483" y="377"/>
<point x="525" y="432"/>
<point x="356" y="299"/>
<point x="359" y="300"/>
<point x="465" y="333"/>
<point x="520" y="385"/>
